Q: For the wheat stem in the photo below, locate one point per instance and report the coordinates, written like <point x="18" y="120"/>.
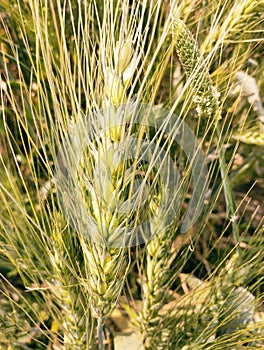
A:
<point x="100" y="333"/>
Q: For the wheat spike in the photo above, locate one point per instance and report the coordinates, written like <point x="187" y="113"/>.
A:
<point x="107" y="265"/>
<point x="205" y="94"/>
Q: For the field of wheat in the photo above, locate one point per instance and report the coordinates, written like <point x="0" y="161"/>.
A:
<point x="131" y="174"/>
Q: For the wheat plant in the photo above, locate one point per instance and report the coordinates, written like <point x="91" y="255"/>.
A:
<point x="108" y="108"/>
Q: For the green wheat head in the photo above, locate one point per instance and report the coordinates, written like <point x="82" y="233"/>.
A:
<point x="205" y="95"/>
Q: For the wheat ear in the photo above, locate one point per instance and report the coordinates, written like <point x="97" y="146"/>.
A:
<point x="205" y="94"/>
<point x="107" y="265"/>
<point x="157" y="277"/>
<point x="206" y="97"/>
<point x="66" y="288"/>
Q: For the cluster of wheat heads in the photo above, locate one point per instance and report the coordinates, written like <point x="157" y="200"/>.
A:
<point x="68" y="64"/>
